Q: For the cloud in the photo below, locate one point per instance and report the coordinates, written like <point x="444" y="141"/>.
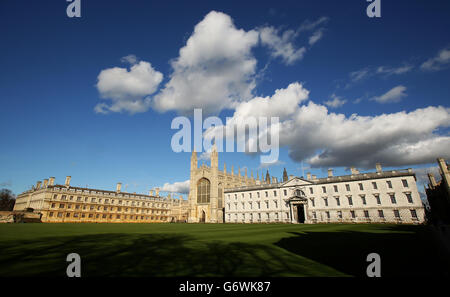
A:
<point x="214" y="70"/>
<point x="391" y="71"/>
<point x="281" y="45"/>
<point x="366" y="72"/>
<point x="315" y="37"/>
<point x="268" y="165"/>
<point x="309" y="26"/>
<point x="126" y="89"/>
<point x="393" y="95"/>
<point x="323" y="139"/>
<point x="359" y="74"/>
<point x="176" y="187"/>
<point x="439" y="62"/>
<point x="336" y="102"/>
<point x="130" y="59"/>
<point x="6" y="184"/>
<point x="328" y="139"/>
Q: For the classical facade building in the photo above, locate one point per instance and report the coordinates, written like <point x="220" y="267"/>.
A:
<point x="65" y="203"/>
<point x="376" y="197"/>
<point x="438" y="194"/>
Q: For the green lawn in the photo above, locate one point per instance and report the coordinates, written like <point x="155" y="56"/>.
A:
<point x="218" y="249"/>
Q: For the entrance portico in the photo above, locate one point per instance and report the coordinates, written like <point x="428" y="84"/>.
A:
<point x="298" y="207"/>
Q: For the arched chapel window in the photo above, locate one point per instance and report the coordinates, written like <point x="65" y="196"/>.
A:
<point x="203" y="190"/>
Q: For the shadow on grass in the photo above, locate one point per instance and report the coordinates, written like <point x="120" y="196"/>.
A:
<point x="149" y="255"/>
<point x="404" y="250"/>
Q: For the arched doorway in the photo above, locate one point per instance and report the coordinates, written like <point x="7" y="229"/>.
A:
<point x="202" y="217"/>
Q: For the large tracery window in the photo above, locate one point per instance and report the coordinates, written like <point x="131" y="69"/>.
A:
<point x="203" y="190"/>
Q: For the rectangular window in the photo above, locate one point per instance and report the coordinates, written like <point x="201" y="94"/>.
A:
<point x="250" y="194"/>
<point x="338" y="202"/>
<point x="397" y="214"/>
<point x="347" y="187"/>
<point x="312" y="202"/>
<point x="258" y="195"/>
<point x="285" y="192"/>
<point x="275" y="193"/>
<point x="352" y="212"/>
<point x="339" y="214"/>
<point x="405" y="183"/>
<point x="328" y="214"/>
<point x="413" y="213"/>
<point x="314" y="214"/>
<point x="377" y="197"/>
<point x="409" y="197"/>
<point x="267" y="204"/>
<point x="366" y="214"/>
<point x="311" y="190"/>
<point x="275" y="202"/>
<point x="380" y="213"/>
<point x="374" y="185"/>
<point x="324" y="189"/>
<point x="361" y="186"/>
<point x="50" y="214"/>
<point x="350" y="200"/>
<point x="393" y="200"/>
<point x="363" y="199"/>
<point x="335" y="188"/>
<point x="389" y="184"/>
<point x="325" y="200"/>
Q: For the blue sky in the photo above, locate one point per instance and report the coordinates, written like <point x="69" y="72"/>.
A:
<point x="392" y="73"/>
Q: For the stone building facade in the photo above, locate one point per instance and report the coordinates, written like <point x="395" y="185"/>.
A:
<point x="65" y="203"/>
<point x="438" y="194"/>
<point x="207" y="184"/>
<point x="376" y="197"/>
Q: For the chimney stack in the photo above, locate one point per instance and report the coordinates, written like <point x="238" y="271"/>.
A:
<point x="291" y="176"/>
<point x="68" y="181"/>
<point x="45" y="183"/>
<point x="51" y="181"/>
<point x="330" y="172"/>
<point x="118" y="187"/>
<point x="314" y="176"/>
<point x="157" y="192"/>
<point x="308" y="175"/>
<point x="354" y="170"/>
<point x="378" y="167"/>
<point x="150" y="193"/>
<point x="38" y="185"/>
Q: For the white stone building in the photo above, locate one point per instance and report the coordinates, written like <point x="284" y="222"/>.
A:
<point x="377" y="197"/>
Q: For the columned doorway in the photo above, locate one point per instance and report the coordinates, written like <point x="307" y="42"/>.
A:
<point x="300" y="213"/>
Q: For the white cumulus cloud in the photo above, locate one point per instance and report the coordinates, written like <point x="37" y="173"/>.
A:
<point x="126" y="89"/>
<point x="176" y="187"/>
<point x="215" y="69"/>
